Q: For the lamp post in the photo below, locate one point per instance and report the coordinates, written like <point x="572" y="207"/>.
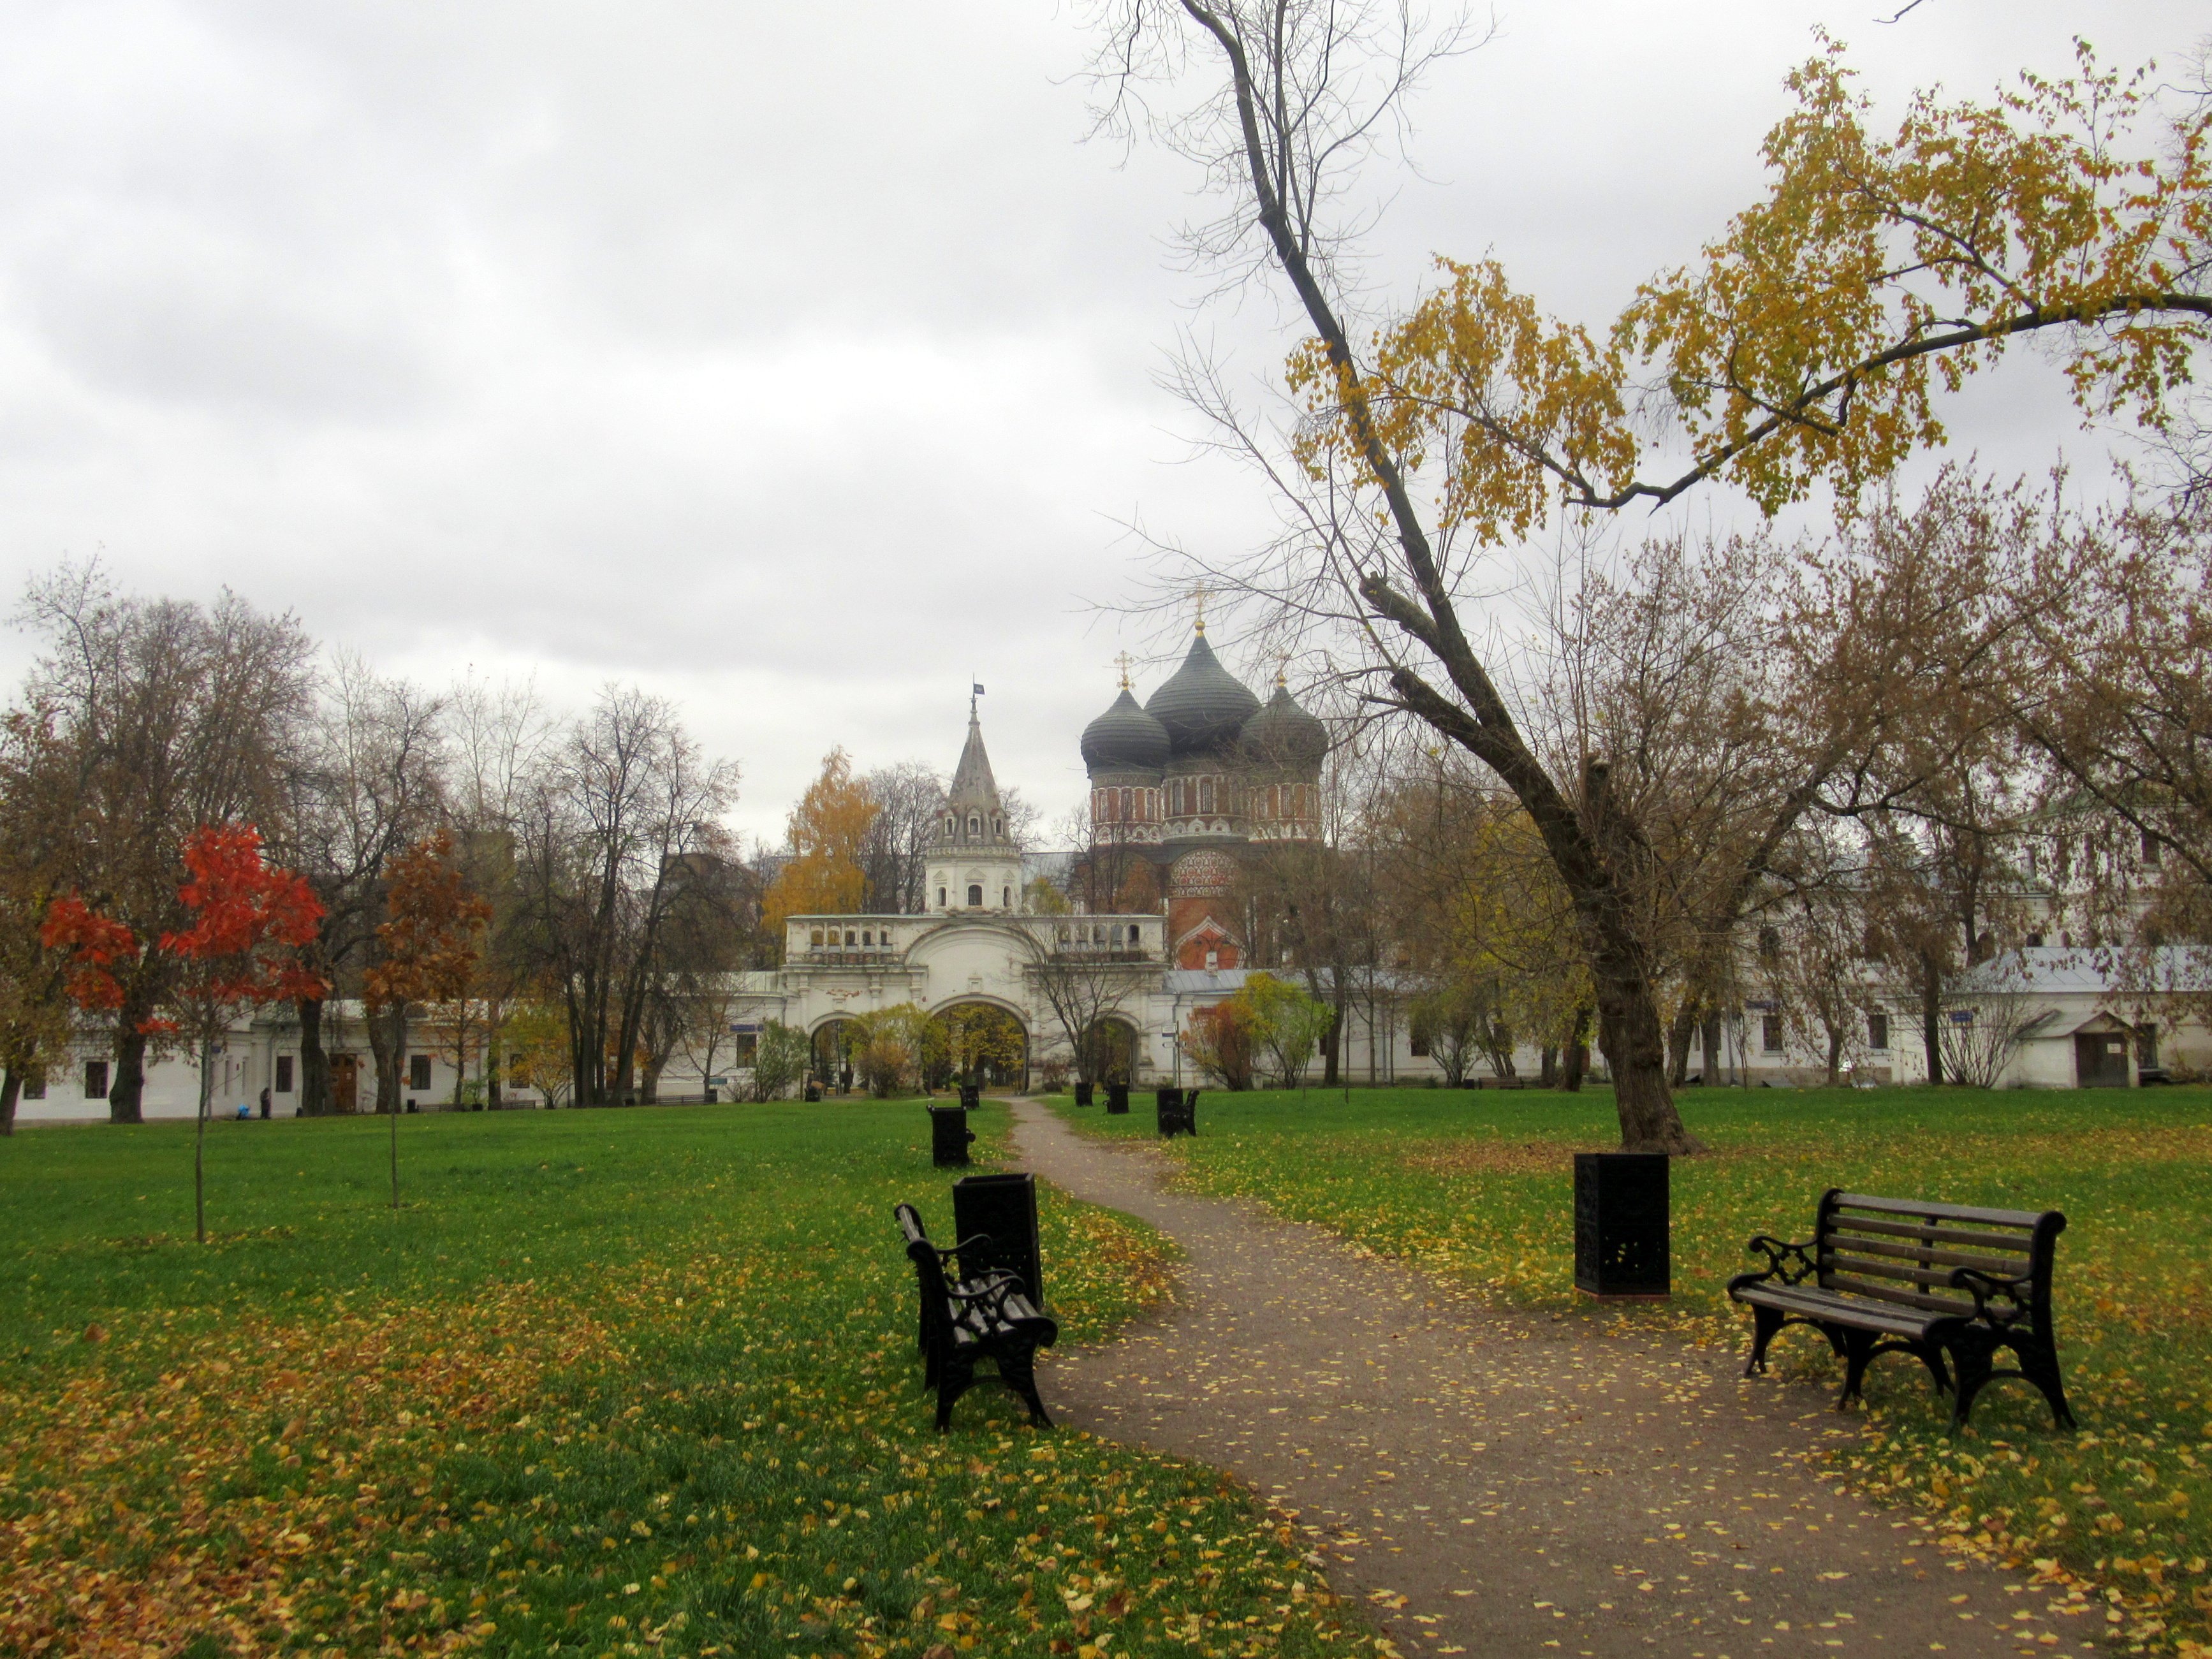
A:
<point x="1174" y="1043"/>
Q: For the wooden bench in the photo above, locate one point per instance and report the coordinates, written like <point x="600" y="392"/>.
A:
<point x="1177" y="1111"/>
<point x="964" y="1320"/>
<point x="1941" y="1282"/>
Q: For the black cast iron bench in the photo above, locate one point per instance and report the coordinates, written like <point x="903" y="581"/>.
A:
<point x="1178" y="1111"/>
<point x="963" y="1319"/>
<point x="1941" y="1282"/>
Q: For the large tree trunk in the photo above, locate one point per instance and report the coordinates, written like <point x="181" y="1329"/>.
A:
<point x="1635" y="1049"/>
<point x="1679" y="1035"/>
<point x="1835" y="1055"/>
<point x="11" y="1088"/>
<point x="387" y="1041"/>
<point x="314" y="1063"/>
<point x="1548" y="1069"/>
<point x="127" y="1089"/>
<point x="1577" y="1060"/>
<point x="1931" y="1015"/>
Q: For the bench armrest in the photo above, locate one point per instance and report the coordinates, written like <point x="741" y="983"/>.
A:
<point x="1997" y="1300"/>
<point x="1786" y="1261"/>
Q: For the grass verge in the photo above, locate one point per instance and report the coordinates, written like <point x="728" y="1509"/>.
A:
<point x="611" y="1382"/>
<point x="1477" y="1188"/>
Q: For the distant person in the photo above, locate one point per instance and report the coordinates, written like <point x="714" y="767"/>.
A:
<point x="265" y="1105"/>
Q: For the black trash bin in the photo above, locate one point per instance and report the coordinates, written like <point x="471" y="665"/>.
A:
<point x="971" y="1095"/>
<point x="1117" y="1099"/>
<point x="813" y="1090"/>
<point x="1621" y="1243"/>
<point x="1001" y="1208"/>
<point x="1083" y="1094"/>
<point x="949" y="1135"/>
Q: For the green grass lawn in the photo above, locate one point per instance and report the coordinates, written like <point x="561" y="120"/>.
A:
<point x="1477" y="1187"/>
<point x="610" y="1382"/>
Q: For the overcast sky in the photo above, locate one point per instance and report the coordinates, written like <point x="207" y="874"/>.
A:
<point x="795" y="360"/>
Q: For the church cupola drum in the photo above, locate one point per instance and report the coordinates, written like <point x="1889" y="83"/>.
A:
<point x="974" y="864"/>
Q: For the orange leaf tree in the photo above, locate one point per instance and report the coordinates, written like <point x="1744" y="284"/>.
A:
<point x="429" y="945"/>
<point x="250" y="920"/>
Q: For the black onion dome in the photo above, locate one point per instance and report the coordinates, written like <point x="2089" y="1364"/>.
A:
<point x="1125" y="738"/>
<point x="1203" y="704"/>
<point x="1283" y="734"/>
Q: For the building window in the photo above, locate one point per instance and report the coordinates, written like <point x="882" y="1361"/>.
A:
<point x="1213" y="960"/>
<point x="1770" y="943"/>
<point x="1769" y="1033"/>
<point x="34" y="1084"/>
<point x="2147" y="1045"/>
<point x="975" y="897"/>
<point x="1175" y="796"/>
<point x="2150" y="849"/>
<point x="1878" y="1033"/>
<point x="952" y="825"/>
<point x="940" y="898"/>
<point x="95" y="1079"/>
<point x="814" y="938"/>
<point x="1135" y="938"/>
<point x="975" y="824"/>
<point x="1205" y="795"/>
<point x="998" y="826"/>
<point x="419" y="1071"/>
<point x="1005" y="898"/>
<point x="283" y="1074"/>
<point x="851" y="939"/>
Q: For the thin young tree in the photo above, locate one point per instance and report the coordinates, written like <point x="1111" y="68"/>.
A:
<point x="248" y="923"/>
<point x="429" y="945"/>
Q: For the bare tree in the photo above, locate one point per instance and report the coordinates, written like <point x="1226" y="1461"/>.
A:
<point x="908" y="797"/>
<point x="364" y="785"/>
<point x="1086" y="982"/>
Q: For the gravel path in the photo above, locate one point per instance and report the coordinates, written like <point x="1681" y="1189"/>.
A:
<point x="1508" y="1484"/>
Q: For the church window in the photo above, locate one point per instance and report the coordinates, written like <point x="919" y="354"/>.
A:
<point x="975" y="896"/>
<point x="1135" y="936"/>
<point x="867" y="937"/>
<point x="1005" y="898"/>
<point x="1205" y="795"/>
<point x="1176" y="796"/>
<point x="1125" y="802"/>
<point x="998" y="826"/>
<point x="940" y="898"/>
<point x="849" y="939"/>
<point x="975" y="824"/>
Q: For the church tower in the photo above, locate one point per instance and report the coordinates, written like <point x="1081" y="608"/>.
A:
<point x="974" y="866"/>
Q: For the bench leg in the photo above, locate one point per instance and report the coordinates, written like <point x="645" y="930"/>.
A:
<point x="1970" y="1357"/>
<point x="954" y="1378"/>
<point x="1930" y="1354"/>
<point x="1765" y="1326"/>
<point x="1858" y="1354"/>
<point x="1018" y="1369"/>
<point x="2038" y="1364"/>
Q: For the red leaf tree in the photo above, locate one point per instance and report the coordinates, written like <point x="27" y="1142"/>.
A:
<point x="250" y="920"/>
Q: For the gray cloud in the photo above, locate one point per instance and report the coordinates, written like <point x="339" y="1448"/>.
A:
<point x="797" y="361"/>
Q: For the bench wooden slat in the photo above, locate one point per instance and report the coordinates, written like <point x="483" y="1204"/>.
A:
<point x="1837" y="1261"/>
<point x="1883" y="1293"/>
<point x="2002" y="1266"/>
<point x="2028" y="1218"/>
<point x="2023" y="1243"/>
<point x="1824" y="1305"/>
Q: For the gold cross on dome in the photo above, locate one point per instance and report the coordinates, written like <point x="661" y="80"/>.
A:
<point x="1122" y="662"/>
<point x="1200" y="595"/>
<point x="1283" y="669"/>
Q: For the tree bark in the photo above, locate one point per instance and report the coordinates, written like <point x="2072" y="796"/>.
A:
<point x="199" y="1143"/>
<point x="314" y="1063"/>
<point x="1548" y="1076"/>
<point x="127" y="1089"/>
<point x="11" y="1089"/>
<point x="387" y="1041"/>
<point x="1577" y="1057"/>
<point x="1931" y="1015"/>
<point x="1679" y="1035"/>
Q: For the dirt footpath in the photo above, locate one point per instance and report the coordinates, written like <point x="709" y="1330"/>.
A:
<point x="1503" y="1484"/>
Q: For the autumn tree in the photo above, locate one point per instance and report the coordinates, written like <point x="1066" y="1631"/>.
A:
<point x="169" y="716"/>
<point x="827" y="872"/>
<point x="247" y="924"/>
<point x="430" y="943"/>
<point x="36" y="827"/>
<point x="1807" y="346"/>
<point x="894" y="848"/>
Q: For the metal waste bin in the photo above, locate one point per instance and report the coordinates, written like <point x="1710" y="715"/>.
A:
<point x="1083" y="1094"/>
<point x="949" y="1135"/>
<point x="1117" y="1099"/>
<point x="1001" y="1208"/>
<point x="1621" y="1242"/>
<point x="971" y="1096"/>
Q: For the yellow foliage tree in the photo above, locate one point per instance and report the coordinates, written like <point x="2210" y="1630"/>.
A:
<point x="828" y="829"/>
